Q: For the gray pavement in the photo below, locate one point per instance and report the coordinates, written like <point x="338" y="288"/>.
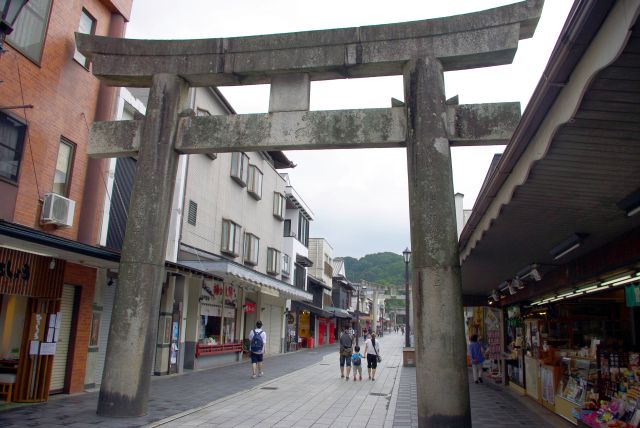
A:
<point x="300" y="389"/>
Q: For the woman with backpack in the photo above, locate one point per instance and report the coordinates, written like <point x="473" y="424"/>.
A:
<point x="257" y="338"/>
<point x="372" y="352"/>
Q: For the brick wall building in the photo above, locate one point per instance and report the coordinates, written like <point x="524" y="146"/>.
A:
<point x="48" y="100"/>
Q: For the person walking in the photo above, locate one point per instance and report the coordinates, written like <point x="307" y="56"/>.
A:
<point x="258" y="339"/>
<point x="476" y="357"/>
<point x="356" y="358"/>
<point x="372" y="352"/>
<point x="346" y="349"/>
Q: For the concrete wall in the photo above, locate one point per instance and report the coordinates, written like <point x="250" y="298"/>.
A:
<point x="209" y="184"/>
<point x="320" y="252"/>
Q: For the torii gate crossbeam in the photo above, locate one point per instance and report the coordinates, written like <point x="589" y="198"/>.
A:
<point x="427" y="125"/>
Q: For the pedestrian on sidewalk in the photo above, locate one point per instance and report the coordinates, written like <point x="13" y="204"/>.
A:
<point x="356" y="358"/>
<point x="476" y="357"/>
<point x="346" y="349"/>
<point x="258" y="339"/>
<point x="372" y="352"/>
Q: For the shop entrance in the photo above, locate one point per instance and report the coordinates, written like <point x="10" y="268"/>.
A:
<point x="66" y="314"/>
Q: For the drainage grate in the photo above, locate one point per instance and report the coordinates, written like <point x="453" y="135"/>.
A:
<point x="325" y="364"/>
<point x="271" y="388"/>
<point x="392" y="367"/>
<point x="378" y="394"/>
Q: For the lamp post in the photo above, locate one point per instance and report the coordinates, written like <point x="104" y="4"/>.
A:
<point x="10" y="10"/>
<point x="364" y="287"/>
<point x="406" y="254"/>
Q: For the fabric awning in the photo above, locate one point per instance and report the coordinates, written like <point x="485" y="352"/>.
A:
<point x="312" y="308"/>
<point x="339" y="312"/>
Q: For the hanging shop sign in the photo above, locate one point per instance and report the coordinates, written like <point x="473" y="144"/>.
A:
<point x="212" y="291"/>
<point x="210" y="310"/>
<point x="12" y="272"/>
<point x="250" y="307"/>
<point x="230" y="295"/>
<point x="632" y="295"/>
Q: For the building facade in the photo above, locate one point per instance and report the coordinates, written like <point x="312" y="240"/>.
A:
<point x="49" y="195"/>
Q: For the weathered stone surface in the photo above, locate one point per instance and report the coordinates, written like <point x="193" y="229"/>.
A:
<point x="114" y="139"/>
<point x="290" y="92"/>
<point x="437" y="293"/>
<point x="467" y="125"/>
<point x="338" y="129"/>
<point x="132" y="334"/>
<point x="465" y="41"/>
<point x="482" y="124"/>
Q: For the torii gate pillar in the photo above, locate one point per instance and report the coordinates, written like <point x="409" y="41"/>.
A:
<point x="126" y="377"/>
<point x="437" y="291"/>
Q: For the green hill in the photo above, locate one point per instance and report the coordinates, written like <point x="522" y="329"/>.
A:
<point x="382" y="268"/>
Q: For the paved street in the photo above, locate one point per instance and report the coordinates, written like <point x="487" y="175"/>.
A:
<point x="301" y="389"/>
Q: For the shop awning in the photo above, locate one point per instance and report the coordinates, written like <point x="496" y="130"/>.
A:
<point x="230" y="271"/>
<point x="316" y="281"/>
<point x="313" y="309"/>
<point x="28" y="240"/>
<point x="339" y="312"/>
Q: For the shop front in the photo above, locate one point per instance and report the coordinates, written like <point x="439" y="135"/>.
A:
<point x="576" y="351"/>
<point x="218" y="342"/>
<point x="43" y="303"/>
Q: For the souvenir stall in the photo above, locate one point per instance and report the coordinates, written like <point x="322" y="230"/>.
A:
<point x="217" y="341"/>
<point x="577" y="356"/>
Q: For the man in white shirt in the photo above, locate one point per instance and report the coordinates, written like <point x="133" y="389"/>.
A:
<point x="258" y="341"/>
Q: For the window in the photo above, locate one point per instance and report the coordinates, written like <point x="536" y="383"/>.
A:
<point x="273" y="261"/>
<point x="30" y="28"/>
<point x="287" y="228"/>
<point x="63" y="168"/>
<point x="240" y="168"/>
<point x="251" y="248"/>
<point x="286" y="265"/>
<point x="278" y="206"/>
<point x="11" y="142"/>
<point x="193" y="213"/>
<point x="300" y="277"/>
<point x="87" y="26"/>
<point x="303" y="230"/>
<point x="254" y="186"/>
<point x="230" y="238"/>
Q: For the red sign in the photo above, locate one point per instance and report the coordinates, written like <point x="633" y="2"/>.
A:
<point x="250" y="307"/>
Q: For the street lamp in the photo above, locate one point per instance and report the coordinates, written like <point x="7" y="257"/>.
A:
<point x="10" y="10"/>
<point x="406" y="254"/>
<point x="364" y="287"/>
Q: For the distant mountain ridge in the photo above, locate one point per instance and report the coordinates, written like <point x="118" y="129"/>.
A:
<point x="383" y="268"/>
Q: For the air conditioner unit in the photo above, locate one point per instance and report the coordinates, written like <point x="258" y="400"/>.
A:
<point x="57" y="210"/>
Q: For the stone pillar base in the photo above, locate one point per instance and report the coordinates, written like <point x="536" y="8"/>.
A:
<point x="408" y="357"/>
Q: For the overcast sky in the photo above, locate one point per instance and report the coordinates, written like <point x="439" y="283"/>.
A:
<point x="359" y="197"/>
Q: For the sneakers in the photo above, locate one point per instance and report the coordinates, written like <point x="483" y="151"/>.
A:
<point x="476" y="381"/>
<point x="480" y="380"/>
<point x="342" y="375"/>
<point x="254" y="376"/>
<point x="261" y="374"/>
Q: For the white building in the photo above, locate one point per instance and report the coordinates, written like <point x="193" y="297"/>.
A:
<point x="227" y="226"/>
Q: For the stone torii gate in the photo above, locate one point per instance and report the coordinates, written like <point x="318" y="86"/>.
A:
<point x="426" y="124"/>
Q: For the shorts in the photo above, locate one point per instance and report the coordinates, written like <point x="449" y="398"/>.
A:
<point x="372" y="361"/>
<point x="345" y="359"/>
<point x="256" y="358"/>
<point x="357" y="369"/>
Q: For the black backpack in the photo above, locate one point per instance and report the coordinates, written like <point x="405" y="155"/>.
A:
<point x="256" y="342"/>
